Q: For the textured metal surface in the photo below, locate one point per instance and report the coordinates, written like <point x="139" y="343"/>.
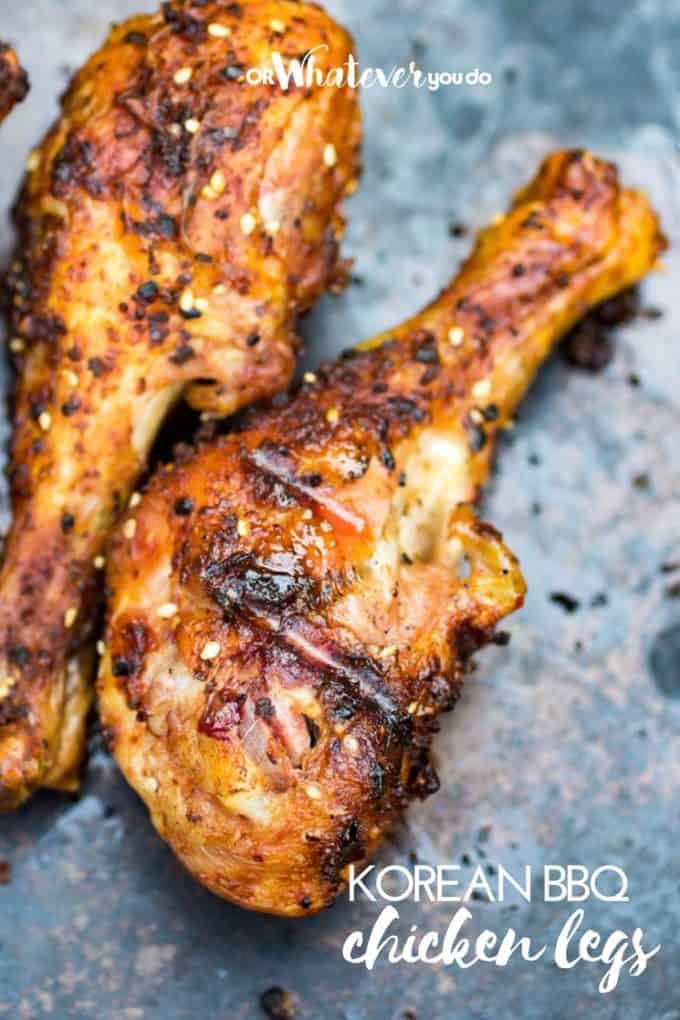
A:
<point x="565" y="747"/>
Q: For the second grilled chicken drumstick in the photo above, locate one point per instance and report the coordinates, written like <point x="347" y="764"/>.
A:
<point x="295" y="603"/>
<point x="13" y="80"/>
<point x="174" y="223"/>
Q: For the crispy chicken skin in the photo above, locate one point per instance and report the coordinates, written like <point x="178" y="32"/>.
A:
<point x="173" y="224"/>
<point x="13" y="80"/>
<point x="297" y="600"/>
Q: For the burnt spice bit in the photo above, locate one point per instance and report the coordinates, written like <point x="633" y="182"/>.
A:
<point x="565" y="601"/>
<point x="67" y="522"/>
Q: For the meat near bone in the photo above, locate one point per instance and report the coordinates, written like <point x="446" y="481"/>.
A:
<point x="298" y="599"/>
<point x="174" y="223"/>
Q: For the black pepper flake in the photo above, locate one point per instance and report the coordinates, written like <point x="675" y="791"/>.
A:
<point x="387" y="459"/>
<point x="182" y="354"/>
<point x="518" y="270"/>
<point x="305" y="902"/>
<point x="20" y="655"/>
<point x="183" y="506"/>
<point x="67" y="522"/>
<point x="166" y="225"/>
<point x="476" y="436"/>
<point x="253" y="340"/>
<point x="565" y="601"/>
<point x="501" y="638"/>
<point x="70" y="407"/>
<point x="148" y="292"/>
<point x="121" y="666"/>
<point x="491" y="412"/>
<point x="190" y="313"/>
<point x="96" y="366"/>
<point x="264" y="708"/>
<point x="427" y="353"/>
<point x="135" y="38"/>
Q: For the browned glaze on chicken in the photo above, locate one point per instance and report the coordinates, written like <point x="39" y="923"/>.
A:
<point x="293" y="606"/>
<point x="173" y="224"/>
<point x="13" y="80"/>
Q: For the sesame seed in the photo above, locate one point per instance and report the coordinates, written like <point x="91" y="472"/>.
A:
<point x="481" y="389"/>
<point x="456" y="336"/>
<point x="186" y="300"/>
<point x="248" y="223"/>
<point x="476" y="416"/>
<point x="313" y="792"/>
<point x="307" y="515"/>
<point x="413" y="708"/>
<point x="210" y="650"/>
<point x="45" y="420"/>
<point x="6" y="686"/>
<point x="309" y="377"/>
<point x="243" y="528"/>
<point x="33" y="161"/>
<point x="70" y="376"/>
<point x="326" y="526"/>
<point x="218" y="31"/>
<point x="272" y="227"/>
<point x="101" y="648"/>
<point x="332" y="415"/>
<point x="330" y="155"/>
<point x="201" y="305"/>
<point x="218" y="182"/>
<point x="175" y="130"/>
<point x="277" y="25"/>
<point x="192" y="125"/>
<point x="99" y="562"/>
<point x="130" y="528"/>
<point x="70" y="617"/>
<point x="219" y="288"/>
<point x="182" y="76"/>
<point x="208" y="193"/>
<point x="388" y="652"/>
<point x="351" y="744"/>
<point x="16" y="345"/>
<point x="135" y="500"/>
<point x="167" y="611"/>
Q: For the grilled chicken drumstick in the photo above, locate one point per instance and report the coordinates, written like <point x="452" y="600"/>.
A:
<point x="293" y="605"/>
<point x="13" y="80"/>
<point x="173" y="224"/>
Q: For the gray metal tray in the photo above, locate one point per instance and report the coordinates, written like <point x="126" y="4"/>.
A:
<point x="565" y="746"/>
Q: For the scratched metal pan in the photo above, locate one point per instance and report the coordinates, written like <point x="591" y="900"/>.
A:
<point x="565" y="746"/>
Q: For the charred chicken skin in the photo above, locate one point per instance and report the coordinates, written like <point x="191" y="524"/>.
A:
<point x="295" y="603"/>
<point x="173" y="224"/>
<point x="13" y="80"/>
